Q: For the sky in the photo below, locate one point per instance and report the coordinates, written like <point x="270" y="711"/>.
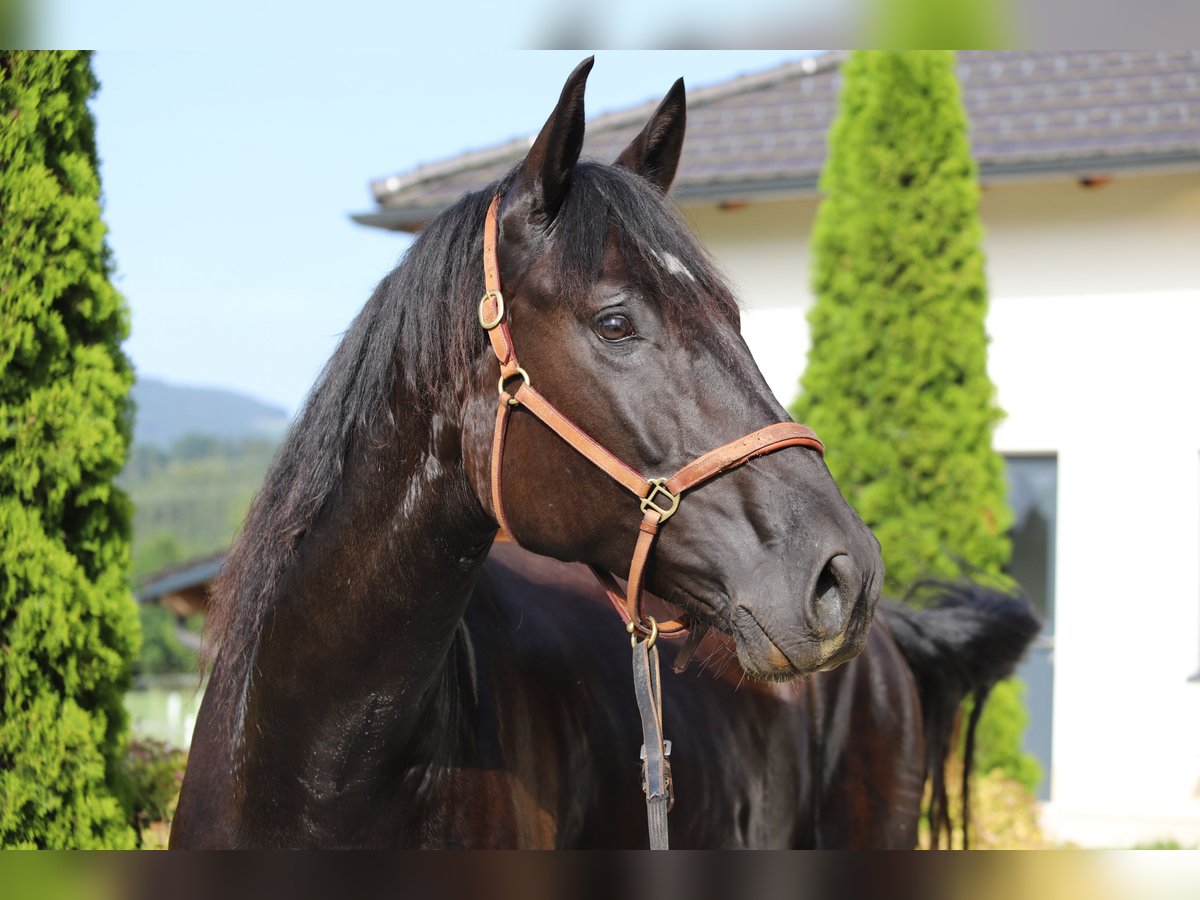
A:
<point x="229" y="178"/>
<point x="468" y="32"/>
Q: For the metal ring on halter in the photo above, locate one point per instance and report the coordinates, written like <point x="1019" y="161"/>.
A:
<point x="651" y="635"/>
<point x="489" y="324"/>
<point x="512" y="401"/>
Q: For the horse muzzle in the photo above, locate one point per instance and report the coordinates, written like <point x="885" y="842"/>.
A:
<point x="779" y="639"/>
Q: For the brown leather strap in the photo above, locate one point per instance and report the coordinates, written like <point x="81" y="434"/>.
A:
<point x="491" y="236"/>
<point x="575" y="436"/>
<point x="493" y="317"/>
<point x="695" y="635"/>
<point x="628" y="603"/>
<point x="647" y="533"/>
<point x="498" y="436"/>
<point x="581" y="441"/>
<point x="502" y="344"/>
<point x="737" y="453"/>
<point x="619" y="599"/>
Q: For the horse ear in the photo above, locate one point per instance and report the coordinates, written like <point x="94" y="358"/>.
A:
<point x="654" y="153"/>
<point x="547" y="167"/>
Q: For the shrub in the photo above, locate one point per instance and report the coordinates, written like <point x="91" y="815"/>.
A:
<point x="998" y="740"/>
<point x="153" y="773"/>
<point x="68" y="628"/>
<point x="896" y="382"/>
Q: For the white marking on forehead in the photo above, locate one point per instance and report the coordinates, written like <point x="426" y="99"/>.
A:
<point x="671" y="263"/>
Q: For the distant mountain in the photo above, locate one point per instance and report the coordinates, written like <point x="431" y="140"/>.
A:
<point x="167" y="412"/>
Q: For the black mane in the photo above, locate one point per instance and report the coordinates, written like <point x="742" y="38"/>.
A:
<point x="420" y="324"/>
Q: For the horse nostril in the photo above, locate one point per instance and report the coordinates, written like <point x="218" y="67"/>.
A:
<point x="833" y="596"/>
<point x="827" y="587"/>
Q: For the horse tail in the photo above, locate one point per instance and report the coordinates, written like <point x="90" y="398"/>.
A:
<point x="971" y="639"/>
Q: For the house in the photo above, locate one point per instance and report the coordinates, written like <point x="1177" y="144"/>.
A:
<point x="183" y="588"/>
<point x="1090" y="163"/>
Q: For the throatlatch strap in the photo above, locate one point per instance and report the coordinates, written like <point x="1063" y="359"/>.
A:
<point x="498" y="435"/>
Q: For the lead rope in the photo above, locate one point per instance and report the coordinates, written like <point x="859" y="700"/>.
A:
<point x="656" y="751"/>
<point x="658" y="498"/>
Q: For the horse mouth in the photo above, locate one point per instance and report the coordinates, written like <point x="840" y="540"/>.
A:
<point x="762" y="656"/>
<point x="762" y="651"/>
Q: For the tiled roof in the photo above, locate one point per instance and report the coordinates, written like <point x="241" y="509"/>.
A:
<point x="1085" y="112"/>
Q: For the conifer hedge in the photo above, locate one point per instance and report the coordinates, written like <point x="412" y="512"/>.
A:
<point x="896" y="382"/>
<point x="68" y="627"/>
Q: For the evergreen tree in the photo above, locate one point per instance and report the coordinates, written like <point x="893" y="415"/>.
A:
<point x="896" y="382"/>
<point x="68" y="627"/>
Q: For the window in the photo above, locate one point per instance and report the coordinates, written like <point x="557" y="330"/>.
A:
<point x="1033" y="496"/>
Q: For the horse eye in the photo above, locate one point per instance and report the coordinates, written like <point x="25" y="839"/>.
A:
<point x="614" y="327"/>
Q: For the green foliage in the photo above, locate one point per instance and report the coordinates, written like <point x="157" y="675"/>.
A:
<point x="896" y="382"/>
<point x="14" y="23"/>
<point x="998" y="740"/>
<point x="162" y="652"/>
<point x="68" y="627"/>
<point x="153" y="773"/>
<point x="924" y="23"/>
<point x="155" y="553"/>
<point x="190" y="500"/>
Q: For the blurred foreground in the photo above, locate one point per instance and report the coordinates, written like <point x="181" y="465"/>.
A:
<point x="1040" y="876"/>
<point x="620" y="24"/>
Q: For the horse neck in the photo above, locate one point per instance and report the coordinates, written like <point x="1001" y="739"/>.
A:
<point x="365" y="615"/>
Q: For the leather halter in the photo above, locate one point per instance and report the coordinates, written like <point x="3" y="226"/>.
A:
<point x="659" y="498"/>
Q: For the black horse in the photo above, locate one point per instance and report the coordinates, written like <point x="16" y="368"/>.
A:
<point x="375" y="683"/>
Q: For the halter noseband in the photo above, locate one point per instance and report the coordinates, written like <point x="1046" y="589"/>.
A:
<point x="659" y="499"/>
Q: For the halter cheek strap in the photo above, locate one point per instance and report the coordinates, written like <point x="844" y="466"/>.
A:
<point x="658" y="498"/>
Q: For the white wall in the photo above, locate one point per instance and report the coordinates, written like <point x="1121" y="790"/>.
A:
<point x="1095" y="328"/>
<point x="763" y="248"/>
<point x="1112" y="383"/>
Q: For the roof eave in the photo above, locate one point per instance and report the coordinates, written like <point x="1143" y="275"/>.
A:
<point x="180" y="579"/>
<point x="1100" y="163"/>
<point x="412" y="218"/>
<point x="398" y="218"/>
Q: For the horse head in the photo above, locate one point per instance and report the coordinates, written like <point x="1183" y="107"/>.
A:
<point x="624" y="324"/>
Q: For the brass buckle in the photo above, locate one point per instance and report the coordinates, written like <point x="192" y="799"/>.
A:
<point x="660" y="487"/>
<point x="489" y="324"/>
<point x="513" y="401"/>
